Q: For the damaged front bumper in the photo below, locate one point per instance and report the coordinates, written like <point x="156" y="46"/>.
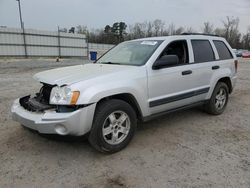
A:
<point x="49" y="121"/>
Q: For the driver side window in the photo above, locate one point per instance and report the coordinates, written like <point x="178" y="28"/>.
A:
<point x="178" y="48"/>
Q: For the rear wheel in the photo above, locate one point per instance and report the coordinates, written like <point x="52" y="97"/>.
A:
<point x="113" y="127"/>
<point x="218" y="101"/>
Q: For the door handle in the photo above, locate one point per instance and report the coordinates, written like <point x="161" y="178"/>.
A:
<point x="215" y="67"/>
<point x="186" y="72"/>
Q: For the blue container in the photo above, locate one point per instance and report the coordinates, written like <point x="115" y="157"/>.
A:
<point x="93" y="55"/>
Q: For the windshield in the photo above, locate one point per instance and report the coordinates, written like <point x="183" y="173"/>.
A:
<point x="131" y="53"/>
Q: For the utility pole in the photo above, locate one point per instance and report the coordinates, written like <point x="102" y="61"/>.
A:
<point x="59" y="44"/>
<point x="20" y="13"/>
<point x="22" y="27"/>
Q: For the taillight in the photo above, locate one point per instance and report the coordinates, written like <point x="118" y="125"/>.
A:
<point x="236" y="65"/>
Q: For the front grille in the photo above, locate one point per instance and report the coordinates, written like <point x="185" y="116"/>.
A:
<point x="40" y="102"/>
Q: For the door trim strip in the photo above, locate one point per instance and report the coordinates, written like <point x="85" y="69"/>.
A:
<point x="178" y="97"/>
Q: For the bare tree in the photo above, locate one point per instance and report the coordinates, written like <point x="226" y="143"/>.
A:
<point x="139" y="30"/>
<point x="219" y="31"/>
<point x="246" y="40"/>
<point x="208" y="28"/>
<point x="179" y="30"/>
<point x="231" y="31"/>
<point x="171" y="29"/>
<point x="81" y="29"/>
<point x="190" y="30"/>
<point x="149" y="29"/>
<point x="158" y="27"/>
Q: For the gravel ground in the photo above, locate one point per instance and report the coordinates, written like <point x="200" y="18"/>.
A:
<point x="184" y="149"/>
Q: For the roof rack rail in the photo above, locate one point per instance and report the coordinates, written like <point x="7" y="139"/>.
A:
<point x="200" y="34"/>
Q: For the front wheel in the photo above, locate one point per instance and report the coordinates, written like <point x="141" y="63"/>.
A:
<point x="218" y="101"/>
<point x="113" y="127"/>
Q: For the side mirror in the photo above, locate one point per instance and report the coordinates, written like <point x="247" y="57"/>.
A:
<point x="166" y="61"/>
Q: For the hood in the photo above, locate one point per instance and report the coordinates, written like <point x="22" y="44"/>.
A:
<point x="73" y="74"/>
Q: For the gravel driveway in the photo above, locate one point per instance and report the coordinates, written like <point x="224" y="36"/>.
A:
<point x="184" y="149"/>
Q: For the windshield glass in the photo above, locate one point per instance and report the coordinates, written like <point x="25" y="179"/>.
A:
<point x="130" y="53"/>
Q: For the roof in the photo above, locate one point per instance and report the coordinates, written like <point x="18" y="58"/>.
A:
<point x="186" y="36"/>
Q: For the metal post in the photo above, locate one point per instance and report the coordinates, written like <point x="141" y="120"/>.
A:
<point x="59" y="43"/>
<point x="22" y="27"/>
<point x="20" y="13"/>
<point x="87" y="41"/>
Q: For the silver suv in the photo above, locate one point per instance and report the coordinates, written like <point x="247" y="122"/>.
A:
<point x="135" y="81"/>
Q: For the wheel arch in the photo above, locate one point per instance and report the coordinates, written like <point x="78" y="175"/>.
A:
<point x="127" y="97"/>
<point x="228" y="82"/>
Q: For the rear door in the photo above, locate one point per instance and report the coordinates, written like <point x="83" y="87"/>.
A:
<point x="225" y="56"/>
<point x="225" y="65"/>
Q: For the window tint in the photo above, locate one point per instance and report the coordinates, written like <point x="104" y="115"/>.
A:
<point x="223" y="51"/>
<point x="203" y="51"/>
<point x="178" y="48"/>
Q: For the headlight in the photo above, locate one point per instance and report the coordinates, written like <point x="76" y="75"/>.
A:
<point x="63" y="95"/>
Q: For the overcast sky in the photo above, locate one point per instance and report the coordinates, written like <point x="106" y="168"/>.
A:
<point x="48" y="14"/>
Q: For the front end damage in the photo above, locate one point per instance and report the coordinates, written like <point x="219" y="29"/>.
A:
<point x="36" y="112"/>
<point x="40" y="102"/>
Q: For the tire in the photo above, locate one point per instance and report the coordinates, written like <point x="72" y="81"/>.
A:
<point x="218" y="101"/>
<point x="114" y="126"/>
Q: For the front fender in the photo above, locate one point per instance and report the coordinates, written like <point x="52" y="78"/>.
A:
<point x="138" y="89"/>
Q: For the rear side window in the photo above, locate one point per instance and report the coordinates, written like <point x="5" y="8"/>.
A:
<point x="203" y="51"/>
<point x="223" y="50"/>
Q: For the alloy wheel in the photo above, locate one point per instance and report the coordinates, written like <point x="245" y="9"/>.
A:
<point x="220" y="99"/>
<point x="116" y="127"/>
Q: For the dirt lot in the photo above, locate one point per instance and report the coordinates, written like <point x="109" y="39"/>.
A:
<point x="185" y="149"/>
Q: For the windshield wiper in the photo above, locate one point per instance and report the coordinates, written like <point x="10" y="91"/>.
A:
<point x="109" y="62"/>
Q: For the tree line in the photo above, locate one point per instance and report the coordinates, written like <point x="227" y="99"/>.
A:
<point x="120" y="31"/>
